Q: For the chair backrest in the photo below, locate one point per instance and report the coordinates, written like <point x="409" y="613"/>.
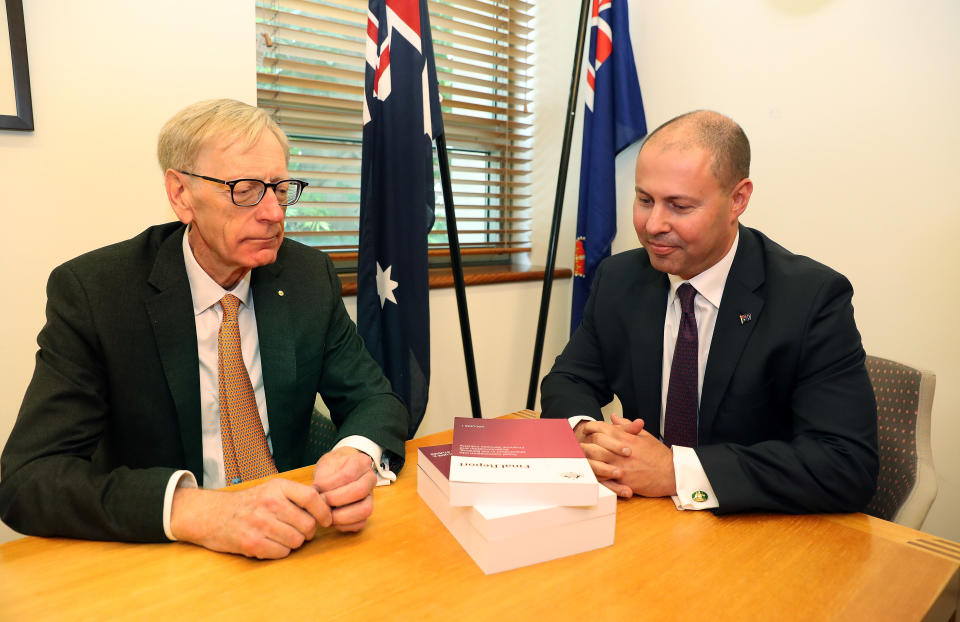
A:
<point x="321" y="436"/>
<point x="907" y="483"/>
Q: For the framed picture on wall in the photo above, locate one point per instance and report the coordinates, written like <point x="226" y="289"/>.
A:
<point x="16" y="105"/>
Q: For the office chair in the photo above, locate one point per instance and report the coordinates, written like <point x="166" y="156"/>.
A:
<point x="907" y="484"/>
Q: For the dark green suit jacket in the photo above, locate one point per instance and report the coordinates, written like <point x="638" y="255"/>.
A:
<point x="787" y="418"/>
<point x="114" y="404"/>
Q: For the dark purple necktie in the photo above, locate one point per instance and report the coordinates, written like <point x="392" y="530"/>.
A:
<point x="680" y="423"/>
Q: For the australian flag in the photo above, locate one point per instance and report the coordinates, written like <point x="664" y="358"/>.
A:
<point x="613" y="120"/>
<point x="401" y="117"/>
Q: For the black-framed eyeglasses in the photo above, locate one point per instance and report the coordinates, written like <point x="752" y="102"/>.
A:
<point x="249" y="192"/>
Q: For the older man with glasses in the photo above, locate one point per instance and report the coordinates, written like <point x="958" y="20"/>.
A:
<point x="192" y="355"/>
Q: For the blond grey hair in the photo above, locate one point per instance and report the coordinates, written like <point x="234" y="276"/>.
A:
<point x="199" y="124"/>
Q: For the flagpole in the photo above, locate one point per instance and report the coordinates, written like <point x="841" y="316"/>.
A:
<point x="457" y="267"/>
<point x="558" y="205"/>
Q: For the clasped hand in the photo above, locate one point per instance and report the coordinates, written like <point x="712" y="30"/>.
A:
<point x="273" y="518"/>
<point x="626" y="458"/>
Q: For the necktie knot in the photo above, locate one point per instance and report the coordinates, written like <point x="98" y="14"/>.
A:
<point x="230" y="304"/>
<point x="686" y="293"/>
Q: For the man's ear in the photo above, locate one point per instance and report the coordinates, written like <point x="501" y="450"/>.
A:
<point x="740" y="197"/>
<point x="179" y="195"/>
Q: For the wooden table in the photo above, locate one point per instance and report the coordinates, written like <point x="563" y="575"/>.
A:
<point x="665" y="565"/>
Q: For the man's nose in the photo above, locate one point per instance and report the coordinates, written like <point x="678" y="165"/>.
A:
<point x="658" y="220"/>
<point x="269" y="207"/>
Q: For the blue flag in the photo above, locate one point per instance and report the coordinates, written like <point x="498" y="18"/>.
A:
<point x="613" y="120"/>
<point x="401" y="117"/>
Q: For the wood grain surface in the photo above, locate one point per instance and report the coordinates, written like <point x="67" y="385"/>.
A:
<point x="665" y="565"/>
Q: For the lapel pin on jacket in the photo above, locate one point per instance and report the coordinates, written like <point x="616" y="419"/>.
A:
<point x="745" y="317"/>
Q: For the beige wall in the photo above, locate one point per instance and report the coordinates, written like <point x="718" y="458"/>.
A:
<point x="828" y="94"/>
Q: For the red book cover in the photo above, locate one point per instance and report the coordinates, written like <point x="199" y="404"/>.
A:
<point x="514" y="438"/>
<point x="435" y="461"/>
<point x="518" y="461"/>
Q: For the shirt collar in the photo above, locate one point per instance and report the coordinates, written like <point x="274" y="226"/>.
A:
<point x="204" y="290"/>
<point x="710" y="282"/>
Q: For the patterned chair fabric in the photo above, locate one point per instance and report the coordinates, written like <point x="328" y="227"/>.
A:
<point x="321" y="437"/>
<point x="907" y="485"/>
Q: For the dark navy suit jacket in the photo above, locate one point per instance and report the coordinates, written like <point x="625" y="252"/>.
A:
<point x="788" y="420"/>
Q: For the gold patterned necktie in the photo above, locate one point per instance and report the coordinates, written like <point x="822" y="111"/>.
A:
<point x="245" y="452"/>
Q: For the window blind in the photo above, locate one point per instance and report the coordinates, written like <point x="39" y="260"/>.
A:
<point x="310" y="78"/>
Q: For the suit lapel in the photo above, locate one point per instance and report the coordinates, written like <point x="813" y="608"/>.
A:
<point x="648" y="312"/>
<point x="174" y="328"/>
<point x="739" y="311"/>
<point x="278" y="358"/>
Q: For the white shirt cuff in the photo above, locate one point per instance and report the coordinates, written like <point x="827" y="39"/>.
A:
<point x="380" y="462"/>
<point x="577" y="419"/>
<point x="693" y="487"/>
<point x="180" y="479"/>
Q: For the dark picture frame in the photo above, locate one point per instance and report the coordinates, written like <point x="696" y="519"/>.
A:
<point x="23" y="120"/>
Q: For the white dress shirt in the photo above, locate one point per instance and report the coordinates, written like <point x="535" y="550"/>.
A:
<point x="208" y="314"/>
<point x="689" y="474"/>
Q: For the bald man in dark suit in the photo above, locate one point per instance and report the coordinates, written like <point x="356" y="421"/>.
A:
<point x="782" y="415"/>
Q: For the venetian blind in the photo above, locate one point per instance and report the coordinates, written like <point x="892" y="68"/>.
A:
<point x="310" y="77"/>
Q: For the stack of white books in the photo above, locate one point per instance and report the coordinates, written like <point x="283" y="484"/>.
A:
<point x="516" y="494"/>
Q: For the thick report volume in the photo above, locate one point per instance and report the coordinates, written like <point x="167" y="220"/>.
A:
<point x="518" y="461"/>
<point x="500" y="537"/>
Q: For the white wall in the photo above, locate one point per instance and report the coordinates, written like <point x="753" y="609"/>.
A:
<point x="851" y="109"/>
<point x="837" y="98"/>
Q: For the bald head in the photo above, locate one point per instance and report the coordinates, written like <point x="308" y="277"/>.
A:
<point x="718" y="134"/>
